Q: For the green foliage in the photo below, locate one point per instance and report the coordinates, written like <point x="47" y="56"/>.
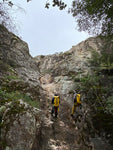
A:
<point x="107" y="59"/>
<point x="9" y="93"/>
<point x="104" y="58"/>
<point x="10" y="77"/>
<point x="105" y="122"/>
<point x="15" y="95"/>
<point x="16" y="107"/>
<point x="98" y="91"/>
<point x="67" y="54"/>
<point x="109" y="105"/>
<point x="77" y="79"/>
<point x="95" y="59"/>
<point x="42" y="56"/>
<point x="93" y="89"/>
<point x="59" y="3"/>
<point x="94" y="16"/>
<point x="34" y="103"/>
<point x="107" y="51"/>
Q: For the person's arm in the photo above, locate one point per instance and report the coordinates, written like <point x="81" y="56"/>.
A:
<point x="74" y="98"/>
<point x="53" y="100"/>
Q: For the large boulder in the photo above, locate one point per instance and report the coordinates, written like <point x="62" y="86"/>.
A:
<point x="19" y="126"/>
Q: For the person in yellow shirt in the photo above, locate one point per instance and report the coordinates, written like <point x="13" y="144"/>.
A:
<point x="77" y="102"/>
<point x="55" y="107"/>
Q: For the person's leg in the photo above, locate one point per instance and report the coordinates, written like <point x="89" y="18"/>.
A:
<point x="52" y="111"/>
<point x="56" y="112"/>
<point x="73" y="109"/>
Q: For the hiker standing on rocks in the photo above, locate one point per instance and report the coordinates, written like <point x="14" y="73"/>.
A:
<point x="77" y="102"/>
<point x="55" y="107"/>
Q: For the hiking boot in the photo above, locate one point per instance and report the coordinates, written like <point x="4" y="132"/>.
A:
<point x="71" y="115"/>
<point x="56" y="117"/>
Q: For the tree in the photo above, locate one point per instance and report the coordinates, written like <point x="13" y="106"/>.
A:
<point x="5" y="18"/>
<point x="94" y="16"/>
<point x="58" y="3"/>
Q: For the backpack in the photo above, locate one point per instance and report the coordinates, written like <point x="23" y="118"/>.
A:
<point x="77" y="99"/>
<point x="56" y="101"/>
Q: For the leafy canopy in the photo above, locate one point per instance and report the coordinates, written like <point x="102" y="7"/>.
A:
<point x="93" y="16"/>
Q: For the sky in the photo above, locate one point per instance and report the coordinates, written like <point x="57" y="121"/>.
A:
<point x="47" y="31"/>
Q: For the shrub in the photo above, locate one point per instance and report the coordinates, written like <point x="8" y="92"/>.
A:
<point x="9" y="77"/>
<point x="109" y="105"/>
<point x="95" y="59"/>
<point x="15" y="95"/>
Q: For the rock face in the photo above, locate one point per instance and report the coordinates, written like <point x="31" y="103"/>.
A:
<point x="15" y="52"/>
<point x="73" y="61"/>
<point x="59" y="71"/>
<point x="19" y="82"/>
<point x="27" y="82"/>
<point x="21" y="123"/>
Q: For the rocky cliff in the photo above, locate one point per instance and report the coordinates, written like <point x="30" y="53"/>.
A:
<point x="19" y="92"/>
<point x="81" y="69"/>
<point x="27" y="86"/>
<point x="60" y="70"/>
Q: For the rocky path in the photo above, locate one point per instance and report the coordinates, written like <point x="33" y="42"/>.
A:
<point x="65" y="133"/>
<point x="60" y="134"/>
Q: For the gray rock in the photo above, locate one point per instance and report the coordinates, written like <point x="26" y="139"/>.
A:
<point x="20" y="127"/>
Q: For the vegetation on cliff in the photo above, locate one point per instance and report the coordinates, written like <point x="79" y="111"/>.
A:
<point x="13" y="101"/>
<point x="97" y="89"/>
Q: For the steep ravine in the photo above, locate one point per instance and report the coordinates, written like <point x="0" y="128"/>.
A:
<point x="61" y="73"/>
<point x="27" y="86"/>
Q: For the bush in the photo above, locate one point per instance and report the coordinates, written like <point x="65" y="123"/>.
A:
<point x="77" y="79"/>
<point x="10" y="77"/>
<point x="109" y="105"/>
<point x="15" y="95"/>
<point x="95" y="59"/>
